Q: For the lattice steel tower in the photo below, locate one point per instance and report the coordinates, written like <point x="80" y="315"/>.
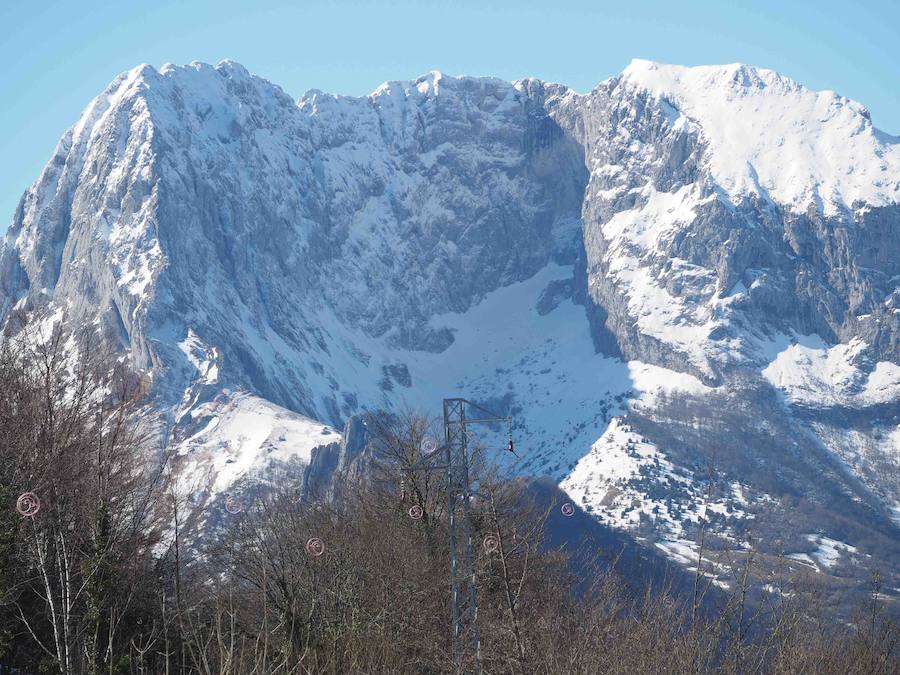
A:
<point x="466" y="641"/>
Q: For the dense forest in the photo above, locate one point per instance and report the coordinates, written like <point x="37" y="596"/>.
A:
<point x="102" y="569"/>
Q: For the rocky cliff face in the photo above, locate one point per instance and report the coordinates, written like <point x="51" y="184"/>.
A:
<point x="727" y="202"/>
<point x="684" y="276"/>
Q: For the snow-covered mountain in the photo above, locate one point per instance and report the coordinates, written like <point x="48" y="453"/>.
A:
<point x="684" y="284"/>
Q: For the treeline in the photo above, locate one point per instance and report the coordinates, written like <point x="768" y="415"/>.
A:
<point x="103" y="577"/>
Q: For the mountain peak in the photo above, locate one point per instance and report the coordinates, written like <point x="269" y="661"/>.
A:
<point x="663" y="78"/>
<point x="770" y="136"/>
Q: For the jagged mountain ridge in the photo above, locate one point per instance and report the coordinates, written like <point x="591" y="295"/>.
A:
<point x="703" y="234"/>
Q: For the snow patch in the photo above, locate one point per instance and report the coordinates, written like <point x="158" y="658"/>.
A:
<point x="829" y="550"/>
<point x="242" y="436"/>
<point x="810" y="372"/>
<point x="204" y="358"/>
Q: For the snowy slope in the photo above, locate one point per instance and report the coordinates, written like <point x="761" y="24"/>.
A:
<point x="772" y="137"/>
<point x="238" y="436"/>
<point x="811" y="372"/>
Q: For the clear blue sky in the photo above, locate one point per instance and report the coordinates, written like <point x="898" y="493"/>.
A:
<point x="57" y="55"/>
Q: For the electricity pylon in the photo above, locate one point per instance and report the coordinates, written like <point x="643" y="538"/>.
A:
<point x="466" y="641"/>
